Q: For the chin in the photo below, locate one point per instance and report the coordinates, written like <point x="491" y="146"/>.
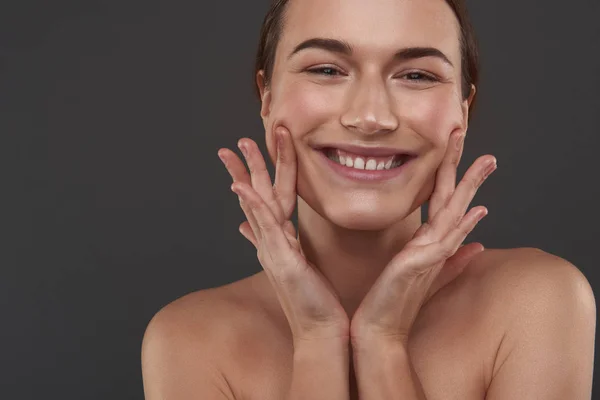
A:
<point x="363" y="216"/>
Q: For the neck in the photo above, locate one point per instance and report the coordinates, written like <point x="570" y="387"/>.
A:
<point x="351" y="260"/>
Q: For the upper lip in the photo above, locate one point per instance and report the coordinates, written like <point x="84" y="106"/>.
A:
<point x="373" y="151"/>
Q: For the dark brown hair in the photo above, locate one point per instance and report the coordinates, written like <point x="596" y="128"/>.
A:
<point x="273" y="25"/>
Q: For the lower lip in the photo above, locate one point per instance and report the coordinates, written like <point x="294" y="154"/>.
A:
<point x="365" y="175"/>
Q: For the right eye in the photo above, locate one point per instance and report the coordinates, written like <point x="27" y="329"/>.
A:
<point x="327" y="71"/>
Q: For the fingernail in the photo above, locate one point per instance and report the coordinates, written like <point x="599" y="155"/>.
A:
<point x="459" y="141"/>
<point x="490" y="167"/>
<point x="482" y="214"/>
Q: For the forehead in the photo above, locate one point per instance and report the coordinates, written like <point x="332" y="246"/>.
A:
<point x="374" y="27"/>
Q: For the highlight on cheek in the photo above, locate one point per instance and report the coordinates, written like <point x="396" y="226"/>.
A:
<point x="314" y="101"/>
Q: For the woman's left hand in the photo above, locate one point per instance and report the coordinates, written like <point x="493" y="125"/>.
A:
<point x="433" y="258"/>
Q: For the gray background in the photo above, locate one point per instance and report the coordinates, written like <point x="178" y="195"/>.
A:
<point x="115" y="202"/>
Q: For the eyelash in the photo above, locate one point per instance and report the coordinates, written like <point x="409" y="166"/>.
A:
<point x="425" y="77"/>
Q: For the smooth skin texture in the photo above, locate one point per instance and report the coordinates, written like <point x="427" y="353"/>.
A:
<point x="494" y="324"/>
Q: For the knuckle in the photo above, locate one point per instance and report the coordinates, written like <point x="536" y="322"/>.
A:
<point x="464" y="229"/>
<point x="253" y="168"/>
<point x="248" y="206"/>
<point x="245" y="208"/>
<point x="264" y="226"/>
<point x="276" y="192"/>
<point x="446" y="251"/>
<point x="261" y="168"/>
<point x="455" y="160"/>
<point x="456" y="219"/>
<point x="475" y="182"/>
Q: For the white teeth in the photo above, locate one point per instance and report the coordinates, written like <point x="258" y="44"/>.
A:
<point x="359" y="163"/>
<point x="371" y="165"/>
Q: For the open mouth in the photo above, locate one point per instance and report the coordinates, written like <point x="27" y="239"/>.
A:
<point x="368" y="163"/>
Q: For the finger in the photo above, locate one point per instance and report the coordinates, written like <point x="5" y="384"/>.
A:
<point x="290" y="234"/>
<point x="446" y="175"/>
<point x="239" y="173"/>
<point x="450" y="244"/>
<point x="259" y="175"/>
<point x="471" y="182"/>
<point x="246" y="230"/>
<point x="421" y="231"/>
<point x="271" y="234"/>
<point x="451" y="215"/>
<point x="289" y="228"/>
<point x="418" y="260"/>
<point x="234" y="165"/>
<point x="454" y="266"/>
<point x="285" y="172"/>
<point x="250" y="219"/>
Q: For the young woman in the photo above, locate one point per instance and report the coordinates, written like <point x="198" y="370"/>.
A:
<point x="365" y="106"/>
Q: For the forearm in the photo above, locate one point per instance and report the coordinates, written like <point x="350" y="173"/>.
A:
<point x="320" y="371"/>
<point x="384" y="371"/>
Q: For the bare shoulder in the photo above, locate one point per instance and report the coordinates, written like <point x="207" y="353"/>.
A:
<point x="527" y="272"/>
<point x="544" y="310"/>
<point x="192" y="337"/>
<point x="510" y="283"/>
<point x="201" y="316"/>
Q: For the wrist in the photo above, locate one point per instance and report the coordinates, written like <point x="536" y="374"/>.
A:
<point x="380" y="345"/>
<point x="365" y="333"/>
<point x="321" y="344"/>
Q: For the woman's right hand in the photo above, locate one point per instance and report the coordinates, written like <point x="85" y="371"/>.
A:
<point x="309" y="302"/>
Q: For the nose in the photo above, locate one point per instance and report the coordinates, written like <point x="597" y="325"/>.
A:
<point x="370" y="108"/>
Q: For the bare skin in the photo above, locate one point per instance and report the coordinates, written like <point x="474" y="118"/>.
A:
<point x="453" y="347"/>
<point x="478" y="335"/>
<point x="458" y="346"/>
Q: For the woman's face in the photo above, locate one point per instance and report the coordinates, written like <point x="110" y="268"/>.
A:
<point x="368" y="98"/>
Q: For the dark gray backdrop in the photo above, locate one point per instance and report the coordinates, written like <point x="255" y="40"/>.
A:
<point x="115" y="202"/>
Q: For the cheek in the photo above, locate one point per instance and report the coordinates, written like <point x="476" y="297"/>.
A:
<point x="301" y="108"/>
<point x="433" y="115"/>
<point x="305" y="107"/>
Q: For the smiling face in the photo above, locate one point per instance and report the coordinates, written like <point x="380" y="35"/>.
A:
<point x="388" y="75"/>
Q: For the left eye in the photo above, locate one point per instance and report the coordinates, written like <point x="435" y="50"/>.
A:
<point x="418" y="76"/>
<point x="328" y="71"/>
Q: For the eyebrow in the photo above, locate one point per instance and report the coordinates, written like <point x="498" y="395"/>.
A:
<point x="344" y="48"/>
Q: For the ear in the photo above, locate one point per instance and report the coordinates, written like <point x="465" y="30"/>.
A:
<point x="466" y="105"/>
<point x="265" y="111"/>
<point x="265" y="96"/>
